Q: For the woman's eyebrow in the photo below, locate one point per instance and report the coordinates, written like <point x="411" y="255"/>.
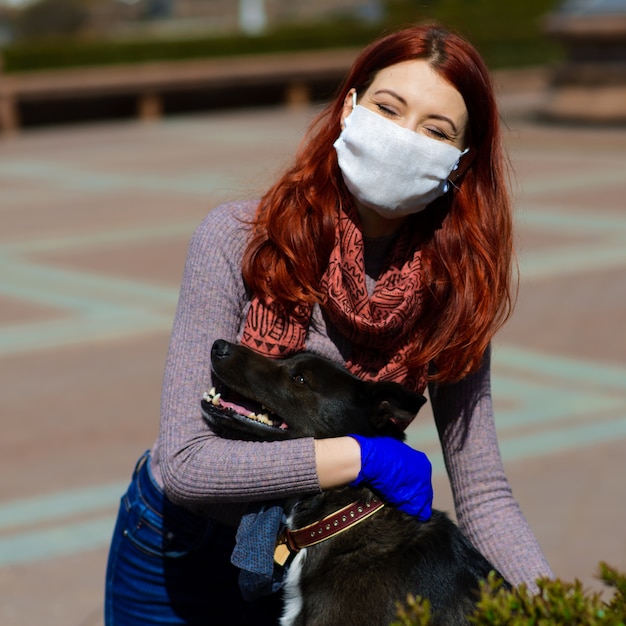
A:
<point x="444" y="118"/>
<point x="393" y="94"/>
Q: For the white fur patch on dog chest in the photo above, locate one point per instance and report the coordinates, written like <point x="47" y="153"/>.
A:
<point x="292" y="594"/>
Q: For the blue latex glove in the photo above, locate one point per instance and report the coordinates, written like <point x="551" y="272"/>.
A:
<point x="399" y="474"/>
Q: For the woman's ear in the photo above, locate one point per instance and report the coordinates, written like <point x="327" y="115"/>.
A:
<point x="348" y="106"/>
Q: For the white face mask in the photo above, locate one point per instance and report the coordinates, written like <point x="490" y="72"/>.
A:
<point x="391" y="169"/>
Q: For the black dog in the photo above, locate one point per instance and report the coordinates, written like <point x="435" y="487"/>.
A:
<point x="358" y="576"/>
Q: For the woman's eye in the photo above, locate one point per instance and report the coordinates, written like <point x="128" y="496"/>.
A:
<point x="385" y="110"/>
<point x="437" y="134"/>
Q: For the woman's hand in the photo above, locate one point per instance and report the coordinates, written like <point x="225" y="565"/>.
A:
<point x="399" y="474"/>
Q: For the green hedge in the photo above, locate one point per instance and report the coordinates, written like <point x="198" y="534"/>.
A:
<point x="33" y="55"/>
<point x="507" y="34"/>
<point x="558" y="603"/>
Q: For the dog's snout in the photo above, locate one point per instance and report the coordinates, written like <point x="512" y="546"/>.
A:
<point x="220" y="349"/>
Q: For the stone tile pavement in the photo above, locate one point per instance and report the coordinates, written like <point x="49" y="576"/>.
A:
<point x="95" y="223"/>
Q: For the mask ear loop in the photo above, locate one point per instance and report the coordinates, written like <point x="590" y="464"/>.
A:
<point x="449" y="182"/>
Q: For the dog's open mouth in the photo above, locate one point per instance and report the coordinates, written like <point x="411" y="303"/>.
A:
<point x="229" y="404"/>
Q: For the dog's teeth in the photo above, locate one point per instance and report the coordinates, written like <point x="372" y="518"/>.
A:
<point x="209" y="395"/>
<point x="215" y="400"/>
<point x="263" y="418"/>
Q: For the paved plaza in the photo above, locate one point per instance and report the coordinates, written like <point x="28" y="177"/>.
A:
<point x="95" y="224"/>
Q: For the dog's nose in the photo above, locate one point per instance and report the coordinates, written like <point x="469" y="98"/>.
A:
<point x="220" y="349"/>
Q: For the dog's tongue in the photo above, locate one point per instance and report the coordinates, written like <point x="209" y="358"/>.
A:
<point x="244" y="407"/>
<point x="238" y="408"/>
<point x="257" y="413"/>
<point x="233" y="401"/>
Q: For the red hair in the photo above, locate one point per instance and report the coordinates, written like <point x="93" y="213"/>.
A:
<point x="468" y="252"/>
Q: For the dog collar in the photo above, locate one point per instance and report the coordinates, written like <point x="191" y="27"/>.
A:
<point x="295" y="540"/>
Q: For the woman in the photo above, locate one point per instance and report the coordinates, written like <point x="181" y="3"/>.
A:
<point x="387" y="247"/>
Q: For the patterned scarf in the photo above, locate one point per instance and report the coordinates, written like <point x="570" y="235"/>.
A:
<point x="379" y="327"/>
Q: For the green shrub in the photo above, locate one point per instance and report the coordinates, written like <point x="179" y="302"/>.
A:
<point x="59" y="52"/>
<point x="507" y="34"/>
<point x="557" y="603"/>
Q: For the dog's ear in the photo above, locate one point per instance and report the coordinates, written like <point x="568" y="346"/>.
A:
<point x="396" y="404"/>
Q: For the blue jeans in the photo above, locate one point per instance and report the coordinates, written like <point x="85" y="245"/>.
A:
<point x="169" y="566"/>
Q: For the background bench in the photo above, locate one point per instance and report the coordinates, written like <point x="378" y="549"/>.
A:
<point x="297" y="77"/>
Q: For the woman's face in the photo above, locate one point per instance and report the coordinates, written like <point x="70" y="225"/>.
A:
<point x="413" y="95"/>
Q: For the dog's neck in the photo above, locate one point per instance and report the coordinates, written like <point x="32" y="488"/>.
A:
<point x="292" y="541"/>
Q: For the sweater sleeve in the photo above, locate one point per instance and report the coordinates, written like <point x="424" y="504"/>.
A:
<point x="486" y="510"/>
<point x="197" y="467"/>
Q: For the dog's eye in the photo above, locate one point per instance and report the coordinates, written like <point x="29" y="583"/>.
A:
<point x="299" y="379"/>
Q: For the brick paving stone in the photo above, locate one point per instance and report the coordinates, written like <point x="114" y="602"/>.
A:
<point x="95" y="223"/>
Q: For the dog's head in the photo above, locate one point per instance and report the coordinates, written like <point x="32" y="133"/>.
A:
<point x="257" y="398"/>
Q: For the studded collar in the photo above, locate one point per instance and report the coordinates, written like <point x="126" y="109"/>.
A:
<point x="294" y="540"/>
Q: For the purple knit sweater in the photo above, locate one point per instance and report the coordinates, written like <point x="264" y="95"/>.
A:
<point x="217" y="477"/>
